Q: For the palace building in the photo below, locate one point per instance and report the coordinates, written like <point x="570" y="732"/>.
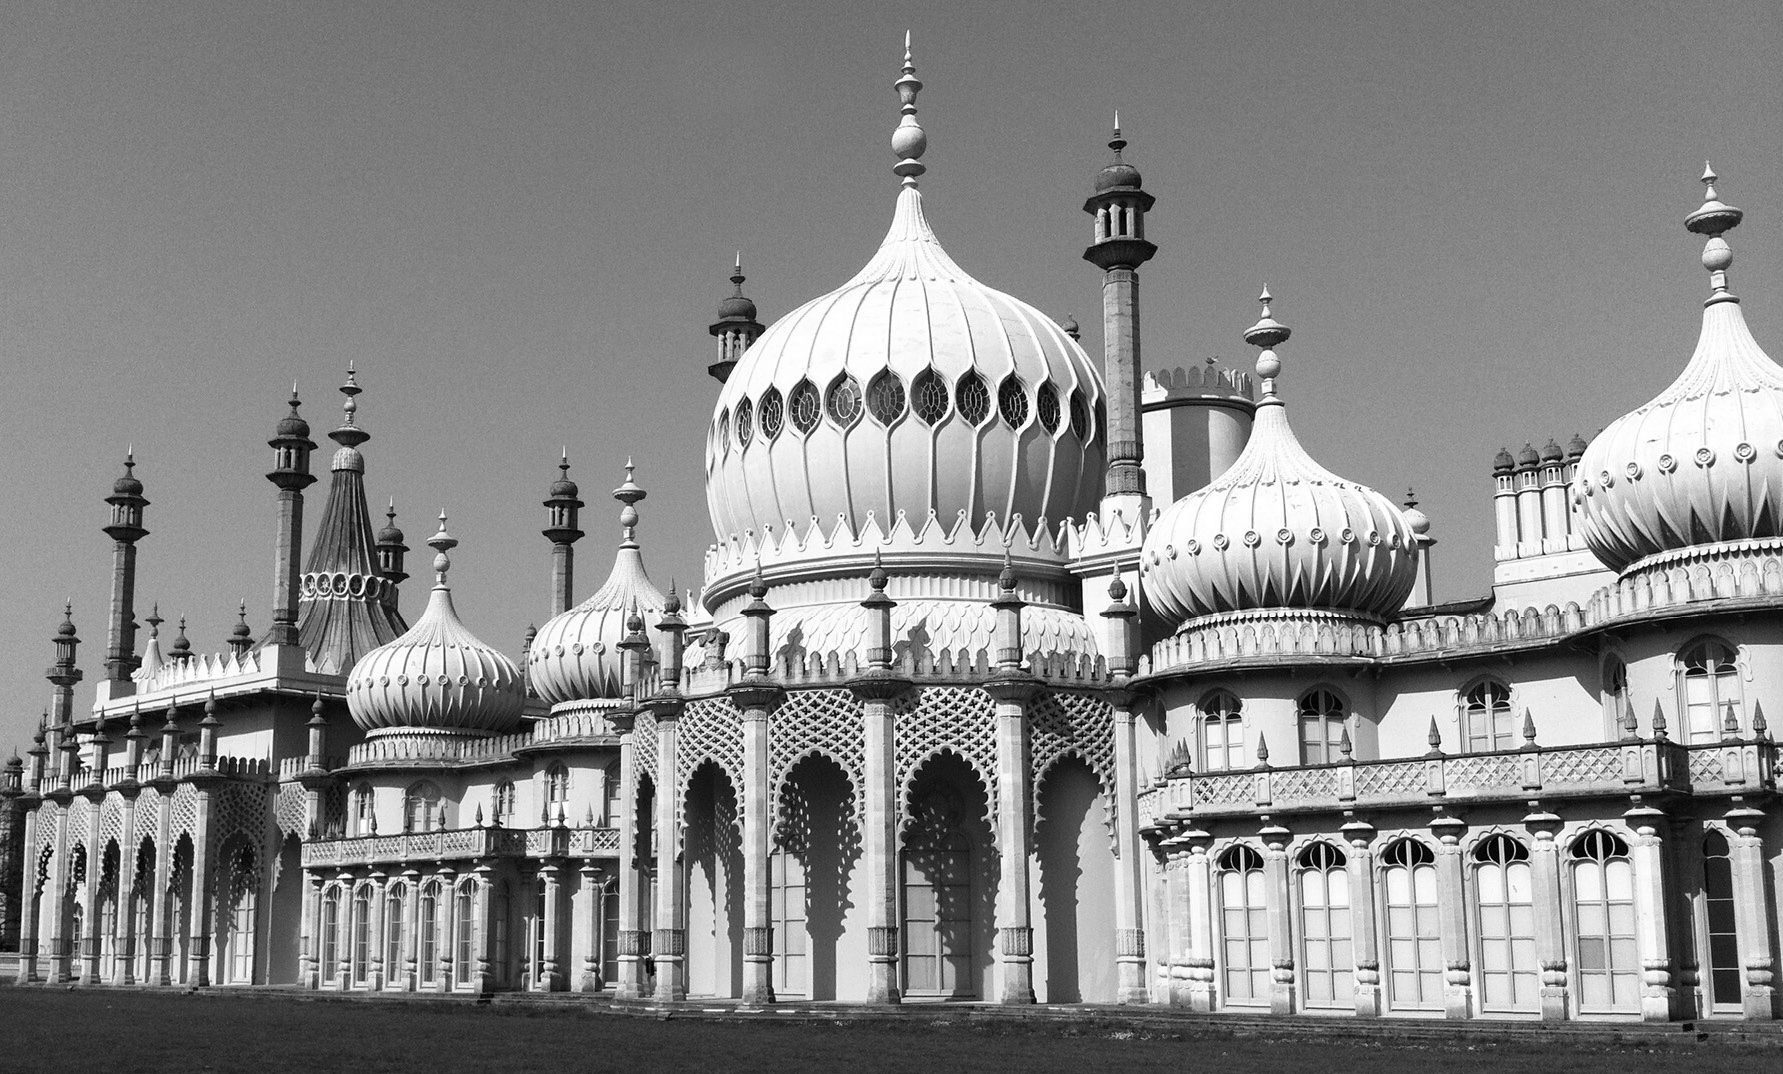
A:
<point x="1015" y="676"/>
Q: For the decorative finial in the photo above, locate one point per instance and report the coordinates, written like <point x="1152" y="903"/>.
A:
<point x="1434" y="737"/>
<point x="1006" y="576"/>
<point x="908" y="140"/>
<point x="349" y="434"/>
<point x="154" y="620"/>
<point x="1117" y="588"/>
<point x="758" y="587"/>
<point x="737" y="276"/>
<point x="390" y="512"/>
<point x="1117" y="143"/>
<point x="1714" y="218"/>
<point x="877" y="578"/>
<point x="671" y="604"/>
<point x="1268" y="333"/>
<point x="442" y="542"/>
<point x="628" y="493"/>
<point x="1528" y="728"/>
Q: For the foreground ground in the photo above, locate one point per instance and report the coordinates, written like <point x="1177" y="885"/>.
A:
<point x="43" y="1030"/>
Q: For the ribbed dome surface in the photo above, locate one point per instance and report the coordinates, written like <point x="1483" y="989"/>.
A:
<point x="912" y="387"/>
<point x="436" y="677"/>
<point x="576" y="655"/>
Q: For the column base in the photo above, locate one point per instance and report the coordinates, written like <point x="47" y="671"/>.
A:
<point x="1017" y="944"/>
<point x="1368" y="1001"/>
<point x="882" y="982"/>
<point x="1760" y="1004"/>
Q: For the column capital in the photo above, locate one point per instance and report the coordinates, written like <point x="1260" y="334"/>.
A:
<point x="756" y="696"/>
<point x="879" y="686"/>
<point x="1013" y="687"/>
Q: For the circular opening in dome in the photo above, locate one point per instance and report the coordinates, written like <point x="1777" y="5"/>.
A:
<point x="745" y="423"/>
<point x="844" y="402"/>
<point x="807" y="409"/>
<point x="973" y="398"/>
<point x="930" y="396"/>
<point x="1080" y="416"/>
<point x="1046" y="407"/>
<point x="771" y="414"/>
<point x="1012" y="402"/>
<point x="885" y="398"/>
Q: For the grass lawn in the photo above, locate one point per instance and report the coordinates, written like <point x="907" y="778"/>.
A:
<point x="53" y="1030"/>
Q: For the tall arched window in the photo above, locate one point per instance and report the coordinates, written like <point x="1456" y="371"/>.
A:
<point x="1244" y="927"/>
<point x="427" y="934"/>
<point x="615" y="802"/>
<point x="1710" y="690"/>
<point x="1222" y="733"/>
<point x="363" y="820"/>
<point x="1414" y="944"/>
<point x="235" y="927"/>
<point x="1725" y="972"/>
<point x="394" y="902"/>
<point x="609" y="896"/>
<point x="501" y="804"/>
<point x="1322" y="716"/>
<point x="464" y="927"/>
<point x="1505" y="888"/>
<point x="1615" y="695"/>
<point x="1329" y="963"/>
<point x="1486" y="723"/>
<point x="329" y="942"/>
<point x="557" y="790"/>
<point x="786" y="909"/>
<point x="1608" y="958"/>
<point x="359" y="932"/>
<point x="937" y="931"/>
<point x="421" y="810"/>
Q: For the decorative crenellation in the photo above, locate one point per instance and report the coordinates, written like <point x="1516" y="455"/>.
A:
<point x="1162" y="386"/>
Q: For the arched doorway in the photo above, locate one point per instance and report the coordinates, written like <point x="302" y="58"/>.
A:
<point x="238" y="898"/>
<point x="948" y="884"/>
<point x="1076" y="859"/>
<point x="713" y="849"/>
<point x="817" y="845"/>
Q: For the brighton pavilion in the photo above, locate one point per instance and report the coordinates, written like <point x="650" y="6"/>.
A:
<point x="1013" y="676"/>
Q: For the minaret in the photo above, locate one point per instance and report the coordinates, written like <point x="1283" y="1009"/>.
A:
<point x="125" y="530"/>
<point x="1119" y="205"/>
<point x="563" y="532"/>
<point x="241" y="637"/>
<point x="291" y="446"/>
<point x="736" y="327"/>
<point x="390" y="549"/>
<point x="63" y="674"/>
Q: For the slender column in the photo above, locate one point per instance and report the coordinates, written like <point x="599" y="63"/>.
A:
<point x="374" y="927"/>
<point x="1283" y="993"/>
<point x="343" y="933"/>
<point x="1119" y="206"/>
<point x="90" y="915"/>
<point x="127" y="503"/>
<point x="879" y="832"/>
<point x="670" y="943"/>
<point x="198" y="956"/>
<point x="410" y="946"/>
<point x="60" y="971"/>
<point x="755" y="699"/>
<point x="309" y="941"/>
<point x="1015" y="838"/>
<point x="633" y="940"/>
<point x="163" y="927"/>
<point x="548" y="978"/>
<point x="1169" y="944"/>
<point x="1196" y="903"/>
<point x="590" y="894"/>
<point x="1451" y="896"/>
<point x="1648" y="858"/>
<point x="1129" y="875"/>
<point x="1751" y="925"/>
<point x="483" y="975"/>
<point x="1363" y="935"/>
<point x="124" y="965"/>
<point x="29" y="907"/>
<point x="446" y="956"/>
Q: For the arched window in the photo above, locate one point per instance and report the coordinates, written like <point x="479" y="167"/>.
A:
<point x="929" y="394"/>
<point x="464" y="928"/>
<point x="557" y="792"/>
<point x="937" y="931"/>
<point x="421" y="810"/>
<point x="1505" y="890"/>
<point x="772" y="413"/>
<point x="1710" y="689"/>
<point x="1486" y="724"/>
<point x="360" y="933"/>
<point x="1725" y="973"/>
<point x="615" y="801"/>
<point x="786" y="909"/>
<point x="329" y="945"/>
<point x="1322" y="716"/>
<point x="972" y="398"/>
<point x="885" y="397"/>
<point x="844" y="402"/>
<point x="394" y="902"/>
<point x="745" y="422"/>
<point x="1329" y="962"/>
<point x="806" y="407"/>
<point x="1608" y="959"/>
<point x="609" y="896"/>
<point x="1222" y="733"/>
<point x="236" y="929"/>
<point x="427" y="935"/>
<point x="1615" y="695"/>
<point x="1244" y="927"/>
<point x="501" y="804"/>
<point x="1414" y="945"/>
<point x="364" y="822"/>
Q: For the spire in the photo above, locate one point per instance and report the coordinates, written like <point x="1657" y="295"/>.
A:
<point x="241" y="638"/>
<point x="629" y="494"/>
<point x="1268" y="333"/>
<point x="349" y="434"/>
<point x="1714" y="218"/>
<point x="908" y="140"/>
<point x="182" y="645"/>
<point x="441" y="543"/>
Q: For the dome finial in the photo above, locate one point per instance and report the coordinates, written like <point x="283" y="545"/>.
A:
<point x="349" y="434"/>
<point x="908" y="140"/>
<point x="441" y="542"/>
<point x="628" y="493"/>
<point x="1713" y="219"/>
<point x="1117" y="143"/>
<point x="737" y="276"/>
<point x="1268" y="333"/>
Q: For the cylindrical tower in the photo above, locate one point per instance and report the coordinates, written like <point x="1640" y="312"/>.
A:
<point x="736" y="327"/>
<point x="125" y="530"/>
<point x="563" y="532"/>
<point x="291" y="446"/>
<point x="1504" y="504"/>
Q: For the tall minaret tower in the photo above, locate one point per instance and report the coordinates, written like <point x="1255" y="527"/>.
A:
<point x="127" y="502"/>
<point x="563" y="533"/>
<point x="736" y="327"/>
<point x="1119" y="206"/>
<point x="291" y="446"/>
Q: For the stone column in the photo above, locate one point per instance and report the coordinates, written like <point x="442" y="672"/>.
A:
<point x="1196" y="910"/>
<point x="199" y="916"/>
<point x="447" y="955"/>
<point x="1015" y="837"/>
<point x="1751" y="920"/>
<point x="590" y="893"/>
<point x="309" y="940"/>
<point x="878" y="695"/>
<point x="162" y="926"/>
<point x="1129" y="873"/>
<point x="374" y="927"/>
<point x="547" y="977"/>
<point x="1364" y="938"/>
<point x="1651" y="930"/>
<point x="91" y="942"/>
<point x="1550" y="938"/>
<point x="411" y="939"/>
<point x="124" y="965"/>
<point x="29" y="910"/>
<point x="633" y="939"/>
<point x="1451" y="896"/>
<point x="755" y="699"/>
<point x="1278" y="905"/>
<point x="60" y="969"/>
<point x="483" y="974"/>
<point x="670" y="942"/>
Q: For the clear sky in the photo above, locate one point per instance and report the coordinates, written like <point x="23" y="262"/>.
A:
<point x="517" y="219"/>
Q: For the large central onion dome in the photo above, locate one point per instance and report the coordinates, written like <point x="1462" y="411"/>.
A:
<point x="912" y="388"/>
<point x="1277" y="530"/>
<point x="1703" y="462"/>
<point x="436" y="678"/>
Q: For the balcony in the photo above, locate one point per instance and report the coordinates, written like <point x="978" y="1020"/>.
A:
<point x="463" y="844"/>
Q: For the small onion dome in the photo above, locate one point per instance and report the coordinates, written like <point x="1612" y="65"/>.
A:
<point x="436" y="677"/>
<point x="1702" y="463"/>
<point x="563" y="488"/>
<point x="735" y="307"/>
<point x="1416" y="519"/>
<point x="576" y="655"/>
<point x="292" y="424"/>
<point x="1575" y="448"/>
<point x="1528" y="458"/>
<point x="127" y="484"/>
<point x="1278" y="530"/>
<point x="391" y="533"/>
<point x="1503" y="462"/>
<point x="1551" y="452"/>
<point x="1118" y="174"/>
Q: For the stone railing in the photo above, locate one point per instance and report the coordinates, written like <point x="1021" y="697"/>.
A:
<point x="462" y="844"/>
<point x="448" y="750"/>
<point x="1615" y="768"/>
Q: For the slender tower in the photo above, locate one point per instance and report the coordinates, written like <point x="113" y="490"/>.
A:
<point x="125" y="530"/>
<point x="291" y="446"/>
<point x="565" y="512"/>
<point x="390" y="550"/>
<point x="1119" y="205"/>
<point x="63" y="674"/>
<point x="736" y="327"/>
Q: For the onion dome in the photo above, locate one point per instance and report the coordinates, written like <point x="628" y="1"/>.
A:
<point x="1503" y="462"/>
<point x="127" y="484"/>
<point x="563" y="488"/>
<point x="1551" y="452"/>
<point x="1528" y="458"/>
<point x="1416" y="519"/>
<point x="1702" y="463"/>
<point x="436" y="677"/>
<point x="576" y="655"/>
<point x="1575" y="448"/>
<point x="1277" y="530"/>
<point x="391" y="533"/>
<point x="911" y="388"/>
<point x="735" y="307"/>
<point x="1118" y="174"/>
<point x="292" y="425"/>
